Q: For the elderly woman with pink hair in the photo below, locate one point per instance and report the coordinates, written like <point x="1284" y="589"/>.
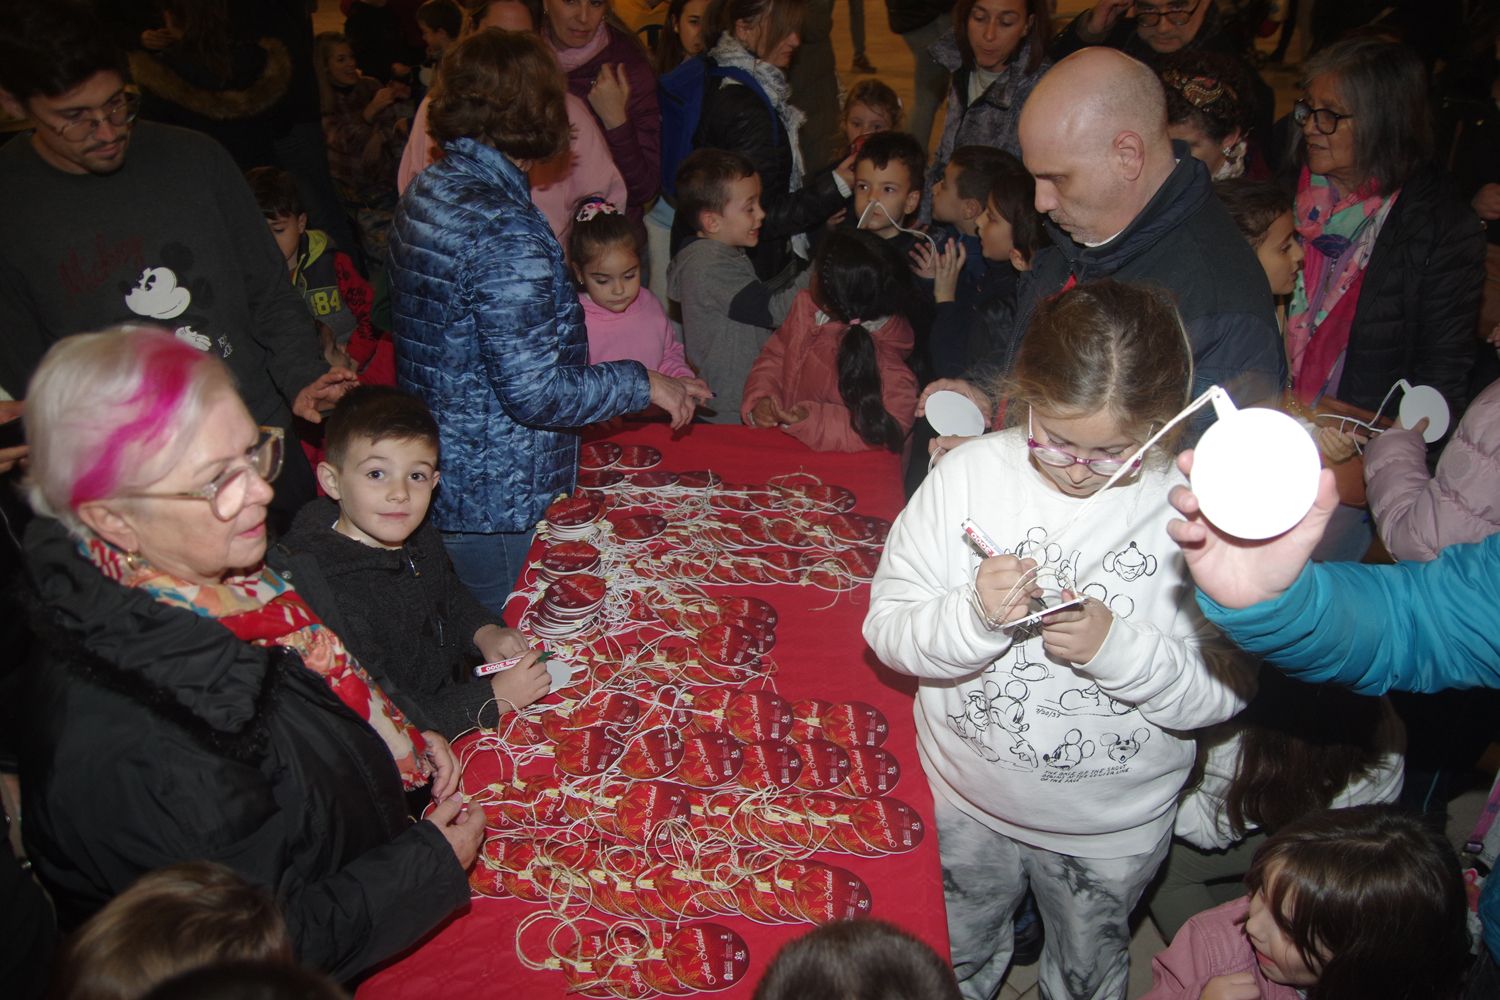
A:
<point x="186" y="703"/>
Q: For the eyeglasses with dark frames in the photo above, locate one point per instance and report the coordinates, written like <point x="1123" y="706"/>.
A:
<point x="230" y="490"/>
<point x="119" y="112"/>
<point x="1176" y="14"/>
<point x="1325" y="120"/>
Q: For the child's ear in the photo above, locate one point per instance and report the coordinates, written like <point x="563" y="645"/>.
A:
<point x="12" y="106"/>
<point x="970" y="208"/>
<point x="301" y="223"/>
<point x="1018" y="260"/>
<point x="913" y="199"/>
<point x="710" y="221"/>
<point x="328" y="478"/>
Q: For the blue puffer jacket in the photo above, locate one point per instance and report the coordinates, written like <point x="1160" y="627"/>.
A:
<point x="1433" y="630"/>
<point x="489" y="332"/>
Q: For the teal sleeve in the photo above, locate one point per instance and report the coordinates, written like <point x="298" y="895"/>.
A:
<point x="1407" y="627"/>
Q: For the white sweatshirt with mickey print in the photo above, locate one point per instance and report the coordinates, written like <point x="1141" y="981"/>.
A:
<point x="1080" y="759"/>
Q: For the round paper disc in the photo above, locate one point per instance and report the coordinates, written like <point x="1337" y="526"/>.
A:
<point x="1425" y="401"/>
<point x="954" y="413"/>
<point x="1255" y="473"/>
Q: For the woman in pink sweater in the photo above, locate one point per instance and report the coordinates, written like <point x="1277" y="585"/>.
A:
<point x="625" y="321"/>
<point x="834" y="376"/>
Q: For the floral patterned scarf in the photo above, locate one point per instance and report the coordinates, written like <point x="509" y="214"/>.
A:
<point x="264" y="610"/>
<point x="1338" y="237"/>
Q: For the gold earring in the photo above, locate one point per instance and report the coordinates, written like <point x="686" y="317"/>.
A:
<point x="135" y="561"/>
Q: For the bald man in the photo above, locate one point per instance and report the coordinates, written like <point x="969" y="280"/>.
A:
<point x="1124" y="201"/>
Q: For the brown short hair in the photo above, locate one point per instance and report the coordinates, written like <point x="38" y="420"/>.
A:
<point x="881" y="148"/>
<point x="171" y="920"/>
<point x="503" y="89"/>
<point x="376" y="413"/>
<point x="703" y="182"/>
<point x="1106" y="345"/>
<point x="857" y="958"/>
<point x="1254" y="205"/>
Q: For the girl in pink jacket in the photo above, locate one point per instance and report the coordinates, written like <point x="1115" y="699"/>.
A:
<point x="625" y="321"/>
<point x="1346" y="904"/>
<point x="834" y="376"/>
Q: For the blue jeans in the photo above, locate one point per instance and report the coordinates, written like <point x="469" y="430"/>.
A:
<point x="488" y="563"/>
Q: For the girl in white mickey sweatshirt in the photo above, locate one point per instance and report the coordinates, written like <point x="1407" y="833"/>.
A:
<point x="1056" y="749"/>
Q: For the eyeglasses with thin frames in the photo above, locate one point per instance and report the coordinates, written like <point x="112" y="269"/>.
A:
<point x="1150" y="17"/>
<point x="119" y="112"/>
<point x="1057" y="458"/>
<point x="230" y="490"/>
<point x="1325" y="120"/>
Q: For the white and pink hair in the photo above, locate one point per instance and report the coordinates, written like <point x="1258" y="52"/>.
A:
<point x="106" y="414"/>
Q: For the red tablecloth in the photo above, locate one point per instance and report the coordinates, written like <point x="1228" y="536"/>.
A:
<point x="819" y="653"/>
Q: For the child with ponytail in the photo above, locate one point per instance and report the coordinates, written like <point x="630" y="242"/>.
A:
<point x="625" y="322"/>
<point x="835" y="375"/>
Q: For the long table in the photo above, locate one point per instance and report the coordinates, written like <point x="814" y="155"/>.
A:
<point x="819" y="653"/>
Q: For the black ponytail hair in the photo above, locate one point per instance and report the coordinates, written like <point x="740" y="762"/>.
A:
<point x="859" y="276"/>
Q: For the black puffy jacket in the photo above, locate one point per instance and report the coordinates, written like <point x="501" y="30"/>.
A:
<point x="736" y="118"/>
<point x="1418" y="308"/>
<point x="155" y="736"/>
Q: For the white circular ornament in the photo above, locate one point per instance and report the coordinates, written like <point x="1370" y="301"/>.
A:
<point x="1424" y="401"/>
<point x="953" y="413"/>
<point x="1255" y="472"/>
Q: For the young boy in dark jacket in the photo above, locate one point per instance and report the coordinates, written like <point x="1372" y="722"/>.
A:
<point x="378" y="575"/>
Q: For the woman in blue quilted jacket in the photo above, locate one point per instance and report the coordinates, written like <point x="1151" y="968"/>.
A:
<point x="488" y="327"/>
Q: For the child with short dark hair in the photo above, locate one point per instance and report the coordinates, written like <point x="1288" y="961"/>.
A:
<point x="888" y="172"/>
<point x="376" y="572"/>
<point x="1347" y="904"/>
<point x="171" y="920"/>
<point x="856" y="959"/>
<point x="1263" y="212"/>
<point x="440" y="22"/>
<point x="625" y="322"/>
<point x="728" y="313"/>
<point x="336" y="294"/>
<point x="835" y="374"/>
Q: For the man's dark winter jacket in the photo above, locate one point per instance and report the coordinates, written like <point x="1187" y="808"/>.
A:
<point x="490" y="334"/>
<point x="1419" y="304"/>
<point x="402" y="612"/>
<point x="1185" y="243"/>
<point x="156" y="736"/>
<point x="736" y="118"/>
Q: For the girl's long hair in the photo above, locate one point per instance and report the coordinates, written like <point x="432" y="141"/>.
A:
<point x="861" y="277"/>
<point x="1300" y="745"/>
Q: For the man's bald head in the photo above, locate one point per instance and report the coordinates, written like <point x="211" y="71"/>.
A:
<point x="1094" y="134"/>
<point x="1098" y="92"/>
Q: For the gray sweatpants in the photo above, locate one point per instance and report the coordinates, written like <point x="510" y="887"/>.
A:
<point x="1085" y="905"/>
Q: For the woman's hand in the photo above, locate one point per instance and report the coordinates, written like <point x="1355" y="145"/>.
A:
<point x="523" y="684"/>
<point x="678" y="396"/>
<point x="384" y="98"/>
<point x="445" y="769"/>
<point x="949" y="263"/>
<point x="461" y="826"/>
<point x="795" y="415"/>
<point x="1237" y="573"/>
<point x="609" y="96"/>
<point x="1103" y="18"/>
<point x="1234" y="986"/>
<point x="845" y="170"/>
<point x="1075" y="634"/>
<point x="321" y="396"/>
<point x="1005" y="586"/>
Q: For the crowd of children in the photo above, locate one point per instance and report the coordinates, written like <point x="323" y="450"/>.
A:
<point x="1112" y="754"/>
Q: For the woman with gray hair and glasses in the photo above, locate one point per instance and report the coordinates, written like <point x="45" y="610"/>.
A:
<point x="186" y="703"/>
